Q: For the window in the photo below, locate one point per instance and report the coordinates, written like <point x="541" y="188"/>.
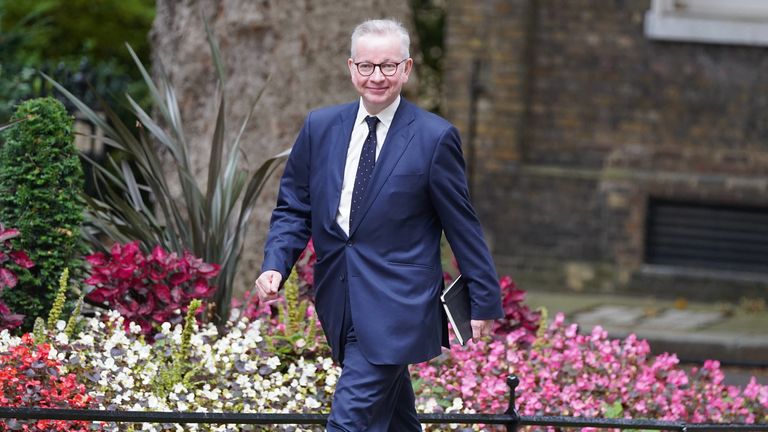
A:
<point x="734" y="22"/>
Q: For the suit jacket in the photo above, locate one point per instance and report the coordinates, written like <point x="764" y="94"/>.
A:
<point x="390" y="261"/>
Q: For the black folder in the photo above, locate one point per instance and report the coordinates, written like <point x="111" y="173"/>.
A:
<point x="455" y="299"/>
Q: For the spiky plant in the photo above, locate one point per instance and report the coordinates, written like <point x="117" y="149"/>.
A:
<point x="212" y="222"/>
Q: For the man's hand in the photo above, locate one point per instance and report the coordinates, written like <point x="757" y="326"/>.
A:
<point x="481" y="328"/>
<point x="267" y="285"/>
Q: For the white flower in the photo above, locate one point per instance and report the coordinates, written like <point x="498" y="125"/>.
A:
<point x="273" y="362"/>
<point x="153" y="403"/>
<point x="86" y="339"/>
<point x="197" y="340"/>
<point x="457" y="405"/>
<point x="134" y="328"/>
<point x="52" y="354"/>
<point x="109" y="363"/>
<point x="61" y="338"/>
<point x="330" y="380"/>
<point x="327" y="363"/>
<point x="312" y="403"/>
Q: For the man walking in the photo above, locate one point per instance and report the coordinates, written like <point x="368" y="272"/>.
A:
<point x="375" y="183"/>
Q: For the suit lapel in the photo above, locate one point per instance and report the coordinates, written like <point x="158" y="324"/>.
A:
<point x="341" y="133"/>
<point x="397" y="140"/>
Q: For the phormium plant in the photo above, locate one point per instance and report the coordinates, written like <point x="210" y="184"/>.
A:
<point x="40" y="183"/>
<point x="209" y="221"/>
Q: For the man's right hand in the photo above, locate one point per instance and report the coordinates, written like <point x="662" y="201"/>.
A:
<point x="267" y="285"/>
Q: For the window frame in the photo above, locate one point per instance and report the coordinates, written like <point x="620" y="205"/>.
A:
<point x="736" y="22"/>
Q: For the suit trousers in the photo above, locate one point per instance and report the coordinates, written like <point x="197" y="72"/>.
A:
<point x="370" y="397"/>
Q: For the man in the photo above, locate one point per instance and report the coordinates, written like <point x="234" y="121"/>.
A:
<point x="375" y="183"/>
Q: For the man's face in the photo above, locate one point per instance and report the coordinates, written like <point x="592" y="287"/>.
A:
<point x="377" y="90"/>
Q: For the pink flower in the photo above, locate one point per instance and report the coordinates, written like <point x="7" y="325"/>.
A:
<point x="565" y="373"/>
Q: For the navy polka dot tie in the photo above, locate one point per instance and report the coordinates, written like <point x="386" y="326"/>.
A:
<point x="364" y="169"/>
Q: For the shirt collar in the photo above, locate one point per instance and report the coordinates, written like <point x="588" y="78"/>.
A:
<point x="385" y="116"/>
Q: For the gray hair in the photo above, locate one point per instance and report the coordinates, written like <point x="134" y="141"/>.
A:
<point x="382" y="27"/>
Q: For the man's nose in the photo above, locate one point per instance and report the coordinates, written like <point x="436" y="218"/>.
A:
<point x="377" y="75"/>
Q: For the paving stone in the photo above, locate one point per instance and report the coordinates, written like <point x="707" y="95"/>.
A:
<point x="682" y="319"/>
<point x="610" y="315"/>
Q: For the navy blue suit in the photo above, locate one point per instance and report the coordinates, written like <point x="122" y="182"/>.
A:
<point x="387" y="271"/>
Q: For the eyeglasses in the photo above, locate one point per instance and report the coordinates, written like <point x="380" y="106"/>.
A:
<point x="387" y="69"/>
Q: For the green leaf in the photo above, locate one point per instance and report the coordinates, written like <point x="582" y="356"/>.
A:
<point x="215" y="53"/>
<point x="615" y="410"/>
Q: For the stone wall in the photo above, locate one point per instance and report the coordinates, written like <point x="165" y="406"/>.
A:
<point x="577" y="119"/>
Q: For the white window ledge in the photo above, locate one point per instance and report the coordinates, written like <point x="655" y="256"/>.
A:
<point x="705" y="29"/>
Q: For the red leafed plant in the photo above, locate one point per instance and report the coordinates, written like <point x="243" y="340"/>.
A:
<point x="8" y="279"/>
<point x="155" y="288"/>
<point x="305" y="267"/>
<point x="516" y="314"/>
<point x="29" y="377"/>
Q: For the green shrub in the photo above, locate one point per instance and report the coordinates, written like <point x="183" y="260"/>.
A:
<point x="40" y="184"/>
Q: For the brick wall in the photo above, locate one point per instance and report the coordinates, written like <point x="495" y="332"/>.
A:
<point x="576" y="119"/>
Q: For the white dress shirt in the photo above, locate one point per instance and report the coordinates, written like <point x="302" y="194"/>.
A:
<point x="359" y="134"/>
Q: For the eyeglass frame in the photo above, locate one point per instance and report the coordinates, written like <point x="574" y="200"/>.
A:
<point x="375" y="65"/>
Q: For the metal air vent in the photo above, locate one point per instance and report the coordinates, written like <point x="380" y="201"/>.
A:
<point x="708" y="236"/>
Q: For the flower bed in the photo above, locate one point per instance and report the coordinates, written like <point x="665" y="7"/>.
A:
<point x="273" y="359"/>
<point x="570" y="374"/>
<point x="32" y="375"/>
<point x="229" y="373"/>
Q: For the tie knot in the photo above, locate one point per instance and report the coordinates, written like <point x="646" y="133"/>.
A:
<point x="372" y="122"/>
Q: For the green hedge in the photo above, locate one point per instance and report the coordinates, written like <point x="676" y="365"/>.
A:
<point x="41" y="179"/>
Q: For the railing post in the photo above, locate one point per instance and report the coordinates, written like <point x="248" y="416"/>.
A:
<point x="513" y="381"/>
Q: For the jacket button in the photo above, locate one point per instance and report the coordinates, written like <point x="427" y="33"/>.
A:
<point x="349" y="244"/>
<point x="342" y="277"/>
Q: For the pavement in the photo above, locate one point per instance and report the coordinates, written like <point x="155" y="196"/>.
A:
<point x="736" y="334"/>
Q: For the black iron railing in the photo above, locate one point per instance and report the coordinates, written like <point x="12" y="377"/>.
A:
<point x="510" y="418"/>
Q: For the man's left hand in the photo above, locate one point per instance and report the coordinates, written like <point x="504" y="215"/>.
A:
<point x="481" y="328"/>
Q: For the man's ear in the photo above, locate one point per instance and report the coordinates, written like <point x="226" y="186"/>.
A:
<point x="407" y="69"/>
